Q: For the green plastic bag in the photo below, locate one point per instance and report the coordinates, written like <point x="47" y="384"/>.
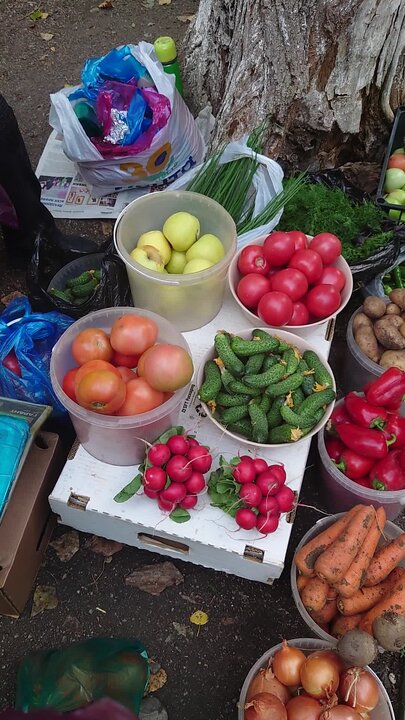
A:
<point x="70" y="677"/>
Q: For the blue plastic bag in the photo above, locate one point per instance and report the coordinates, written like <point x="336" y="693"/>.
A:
<point x="119" y="64"/>
<point x="32" y="337"/>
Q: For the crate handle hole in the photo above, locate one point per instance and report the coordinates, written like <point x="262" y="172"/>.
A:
<point x="163" y="543"/>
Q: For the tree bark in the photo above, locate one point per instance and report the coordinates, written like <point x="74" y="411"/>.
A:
<point x="326" y="74"/>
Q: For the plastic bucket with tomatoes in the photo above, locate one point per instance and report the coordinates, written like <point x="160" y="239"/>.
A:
<point x="234" y="276"/>
<point x="114" y="439"/>
<point x="188" y="301"/>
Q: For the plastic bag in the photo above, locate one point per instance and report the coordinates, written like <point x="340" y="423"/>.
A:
<point x="32" y="337"/>
<point x="48" y="258"/>
<point x="267" y="183"/>
<point x="73" y="676"/>
<point x="176" y="148"/>
<point x="106" y="708"/>
<point x="375" y="286"/>
<point x="8" y="214"/>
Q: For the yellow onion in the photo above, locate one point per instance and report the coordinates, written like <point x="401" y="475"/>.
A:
<point x="287" y="663"/>
<point x="266" y="681"/>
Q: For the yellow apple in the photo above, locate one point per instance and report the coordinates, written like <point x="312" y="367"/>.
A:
<point x="156" y="239"/>
<point x="177" y="262"/>
<point x="181" y="230"/>
<point x="149" y="257"/>
<point x="208" y="247"/>
<point x="197" y="265"/>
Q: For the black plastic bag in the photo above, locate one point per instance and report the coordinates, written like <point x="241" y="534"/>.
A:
<point x="51" y="256"/>
<point x="384" y="258"/>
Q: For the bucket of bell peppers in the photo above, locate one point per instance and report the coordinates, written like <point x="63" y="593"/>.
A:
<point x="362" y="450"/>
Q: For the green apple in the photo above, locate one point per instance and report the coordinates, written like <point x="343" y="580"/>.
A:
<point x="177" y="262"/>
<point x="197" y="265"/>
<point x="396" y="197"/>
<point x="182" y="229"/>
<point x="149" y="257"/>
<point x="399" y="151"/>
<point x="156" y="239"/>
<point x="208" y="247"/>
<point x="394" y="179"/>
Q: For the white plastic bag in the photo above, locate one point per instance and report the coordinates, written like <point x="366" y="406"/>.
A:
<point x="175" y="149"/>
<point x="267" y="183"/>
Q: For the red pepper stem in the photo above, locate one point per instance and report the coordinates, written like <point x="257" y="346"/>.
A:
<point x="378" y="423"/>
<point x="391" y="440"/>
<point x="341" y="465"/>
<point x="377" y="485"/>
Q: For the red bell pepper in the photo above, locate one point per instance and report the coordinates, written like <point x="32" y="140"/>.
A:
<point x="353" y="465"/>
<point x="334" y="448"/>
<point x="363" y="413"/>
<point x="401" y="459"/>
<point x="395" y="426"/>
<point x="371" y="443"/>
<point x="386" y="389"/>
<point x="364" y="482"/>
<point x="339" y="415"/>
<point x="388" y="473"/>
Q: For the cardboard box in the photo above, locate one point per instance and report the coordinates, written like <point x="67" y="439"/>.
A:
<point x="28" y="523"/>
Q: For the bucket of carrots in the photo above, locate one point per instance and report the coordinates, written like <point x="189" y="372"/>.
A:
<point x="349" y="572"/>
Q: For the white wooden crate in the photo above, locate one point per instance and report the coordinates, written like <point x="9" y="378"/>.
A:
<point x="83" y="495"/>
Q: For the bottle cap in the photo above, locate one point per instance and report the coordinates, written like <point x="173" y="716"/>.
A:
<point x="165" y="49"/>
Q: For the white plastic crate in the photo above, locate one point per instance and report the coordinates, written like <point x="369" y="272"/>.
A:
<point x="83" y="495"/>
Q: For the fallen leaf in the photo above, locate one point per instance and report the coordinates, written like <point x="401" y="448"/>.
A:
<point x="101" y="546"/>
<point x="182" y="630"/>
<point x="45" y="598"/>
<point x="157" y="681"/>
<point x="164" y="2"/>
<point x="46" y="36"/>
<point x="38" y="14"/>
<point x="66" y="545"/>
<point x="106" y="5"/>
<point x="149" y="4"/>
<point x="185" y="18"/>
<point x="7" y="299"/>
<point x="71" y="624"/>
<point x="199" y="618"/>
<point x="153" y="579"/>
<point x="228" y="621"/>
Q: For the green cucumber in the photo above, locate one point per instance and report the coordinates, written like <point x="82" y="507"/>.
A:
<point x="227" y="355"/>
<point x="285" y="386"/>
<point x="264" y="379"/>
<point x="79" y="280"/>
<point x="246" y="348"/>
<point x="212" y="382"/>
<point x="285" y="434"/>
<point x="295" y="418"/>
<point x="322" y="376"/>
<point x="269" y="362"/>
<point x="61" y="295"/>
<point x="291" y="357"/>
<point x="237" y="386"/>
<point x="233" y="414"/>
<point x="254" y="364"/>
<point x="226" y="400"/>
<point x="316" y="401"/>
<point x="242" y="427"/>
<point x="83" y="291"/>
<point x="273" y="416"/>
<point x="265" y="403"/>
<point x="259" y="422"/>
<point x="297" y="397"/>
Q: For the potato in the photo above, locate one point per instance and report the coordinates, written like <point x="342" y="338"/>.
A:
<point x="393" y="358"/>
<point x="392" y="309"/>
<point x="367" y="342"/>
<point x="402" y="329"/>
<point x="359" y="320"/>
<point x="403" y="316"/>
<point x="398" y="297"/>
<point x="387" y="332"/>
<point x="374" y="307"/>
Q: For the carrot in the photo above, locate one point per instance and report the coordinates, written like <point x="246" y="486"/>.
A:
<point x="302" y="580"/>
<point x="337" y="558"/>
<point x="306" y="556"/>
<point x="343" y="624"/>
<point x="365" y="598"/>
<point x="315" y="593"/>
<point x="385" y="560"/>
<point x="394" y="601"/>
<point x="328" y="612"/>
<point x="355" y="575"/>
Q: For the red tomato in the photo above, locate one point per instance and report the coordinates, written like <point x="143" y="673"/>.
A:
<point x="166" y="367"/>
<point x="68" y="384"/>
<point x="397" y="161"/>
<point x="300" y="239"/>
<point x="102" y="391"/>
<point x="91" y="366"/>
<point x="252" y="260"/>
<point x="121" y="360"/>
<point x="133" y="334"/>
<point x="126" y="373"/>
<point x="278" y="248"/>
<point x="323" y="300"/>
<point x="309" y="262"/>
<point x="328" y="246"/>
<point x="140" y="398"/>
<point x="91" y="344"/>
<point x="333" y="276"/>
<point x="12" y="364"/>
<point x="291" y="282"/>
<point x="300" y="314"/>
<point x="251" y="288"/>
<point x="275" y="308"/>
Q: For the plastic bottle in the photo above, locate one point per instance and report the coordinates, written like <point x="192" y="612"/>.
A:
<point x="87" y="117"/>
<point x="165" y="49"/>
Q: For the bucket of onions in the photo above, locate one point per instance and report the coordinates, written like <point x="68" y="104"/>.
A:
<point x="306" y="679"/>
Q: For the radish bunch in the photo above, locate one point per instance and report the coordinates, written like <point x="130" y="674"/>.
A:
<point x="173" y="473"/>
<point x="252" y="491"/>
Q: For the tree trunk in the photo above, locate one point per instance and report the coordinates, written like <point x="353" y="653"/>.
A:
<point x="325" y="73"/>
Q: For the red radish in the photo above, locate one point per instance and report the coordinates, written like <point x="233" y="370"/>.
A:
<point x="152" y="494"/>
<point x="178" y="468"/>
<point x="248" y="458"/>
<point x="154" y="479"/>
<point x="260" y="465"/>
<point x="250" y="494"/>
<point x="159" y="454"/>
<point x="267" y="524"/>
<point x="165" y="505"/>
<point x="285" y="498"/>
<point x="188" y="502"/>
<point x="192" y="442"/>
<point x="178" y="445"/>
<point x="268" y="483"/>
<point x="245" y="472"/>
<point x="176" y="492"/>
<point x="279" y="473"/>
<point x="245" y="518"/>
<point x="269" y="506"/>
<point x="200" y="457"/>
<point x="196" y="483"/>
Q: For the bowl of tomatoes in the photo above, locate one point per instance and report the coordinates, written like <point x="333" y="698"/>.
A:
<point x="123" y="375"/>
<point x="291" y="280"/>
